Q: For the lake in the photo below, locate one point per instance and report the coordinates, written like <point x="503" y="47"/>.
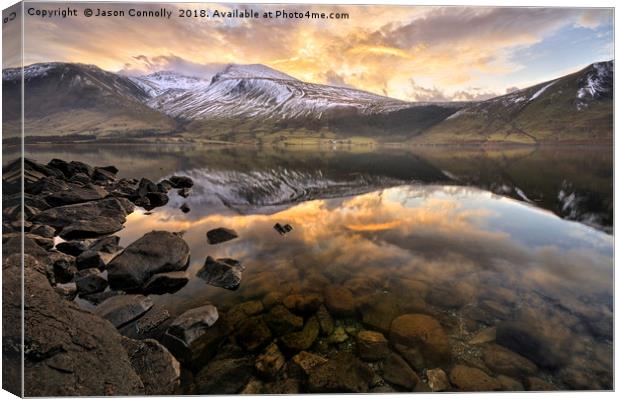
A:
<point x="484" y="241"/>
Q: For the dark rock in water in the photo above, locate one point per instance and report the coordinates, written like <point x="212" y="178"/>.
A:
<point x="424" y="332"/>
<point x="43" y="231"/>
<point x="302" y="340"/>
<point x="99" y="253"/>
<point x="397" y="371"/>
<point x="76" y="195"/>
<point x="505" y="361"/>
<point x="81" y="179"/>
<point x="184" y="192"/>
<point x="342" y="373"/>
<point x="225" y="273"/>
<point x="372" y="345"/>
<point x="339" y="300"/>
<point x="70" y="168"/>
<point x="122" y="309"/>
<point x="145" y="186"/>
<point x="164" y="186"/>
<point x="221" y="234"/>
<point x="103" y="175"/>
<point x="224" y="376"/>
<point x="242" y="311"/>
<point x="471" y="379"/>
<point x="184" y="208"/>
<point x="181" y="182"/>
<point x="143" y="202"/>
<point x="43" y="242"/>
<point x="282" y="322"/>
<point x="156" y="200"/>
<point x="527" y="341"/>
<point x="163" y="283"/>
<point x="279" y="228"/>
<point x="303" y="304"/>
<point x="66" y="290"/>
<point x="253" y="333"/>
<point x="73" y="248"/>
<point x="68" y="352"/>
<point x="85" y="220"/>
<point x="326" y="322"/>
<point x="155" y="252"/>
<point x="110" y="168"/>
<point x="270" y="361"/>
<point x="159" y="371"/>
<point x="148" y="324"/>
<point x="99" y="297"/>
<point x="90" y="281"/>
<point x="64" y="270"/>
<point x="185" y="334"/>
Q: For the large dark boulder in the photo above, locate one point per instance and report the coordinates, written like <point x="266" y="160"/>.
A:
<point x="224" y="272"/>
<point x="68" y="352"/>
<point x="122" y="309"/>
<point x="159" y="371"/>
<point x="181" y="182"/>
<point x="155" y="252"/>
<point x="75" y="195"/>
<point x="86" y="220"/>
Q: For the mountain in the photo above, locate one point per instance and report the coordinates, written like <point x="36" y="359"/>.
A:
<point x="573" y="108"/>
<point x="255" y="103"/>
<point x="246" y="98"/>
<point x="74" y="99"/>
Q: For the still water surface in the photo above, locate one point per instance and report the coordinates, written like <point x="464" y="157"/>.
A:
<point x="484" y="237"/>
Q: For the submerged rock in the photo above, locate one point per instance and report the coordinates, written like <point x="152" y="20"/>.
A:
<point x="193" y="332"/>
<point x="165" y="283"/>
<point x="156" y="252"/>
<point x="339" y="300"/>
<point x="90" y="281"/>
<point x="159" y="371"/>
<point x="372" y="345"/>
<point x="223" y="272"/>
<point x="220" y="235"/>
<point x="342" y="373"/>
<point x="505" y="361"/>
<point x="224" y="376"/>
<point x="308" y="361"/>
<point x="424" y="332"/>
<point x="303" y="303"/>
<point x="253" y="333"/>
<point x="471" y="379"/>
<point x="326" y="322"/>
<point x="302" y="340"/>
<point x="181" y="182"/>
<point x="184" y="208"/>
<point x="282" y="322"/>
<point x="397" y="371"/>
<point x="86" y="220"/>
<point x="270" y="361"/>
<point x="122" y="309"/>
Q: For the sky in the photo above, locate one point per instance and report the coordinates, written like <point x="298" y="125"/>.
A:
<point x="410" y="53"/>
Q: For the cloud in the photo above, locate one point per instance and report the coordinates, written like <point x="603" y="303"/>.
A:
<point x="143" y="64"/>
<point x="378" y="49"/>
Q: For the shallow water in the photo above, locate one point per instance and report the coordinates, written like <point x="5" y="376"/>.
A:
<point x="473" y="238"/>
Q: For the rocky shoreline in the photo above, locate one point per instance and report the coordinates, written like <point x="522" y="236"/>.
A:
<point x="92" y="327"/>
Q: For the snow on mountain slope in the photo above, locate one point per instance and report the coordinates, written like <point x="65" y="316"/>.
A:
<point x="257" y="91"/>
<point x="158" y="83"/>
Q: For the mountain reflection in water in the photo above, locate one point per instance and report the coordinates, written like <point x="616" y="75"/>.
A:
<point x="472" y="238"/>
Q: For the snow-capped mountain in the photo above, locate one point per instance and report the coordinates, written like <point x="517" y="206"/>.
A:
<point x="575" y="107"/>
<point x="259" y="92"/>
<point x="240" y="100"/>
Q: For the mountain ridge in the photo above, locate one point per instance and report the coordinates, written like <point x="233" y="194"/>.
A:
<point x="247" y="102"/>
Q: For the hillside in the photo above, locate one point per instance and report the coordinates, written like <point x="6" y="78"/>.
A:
<point x="73" y="99"/>
<point x="573" y="108"/>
